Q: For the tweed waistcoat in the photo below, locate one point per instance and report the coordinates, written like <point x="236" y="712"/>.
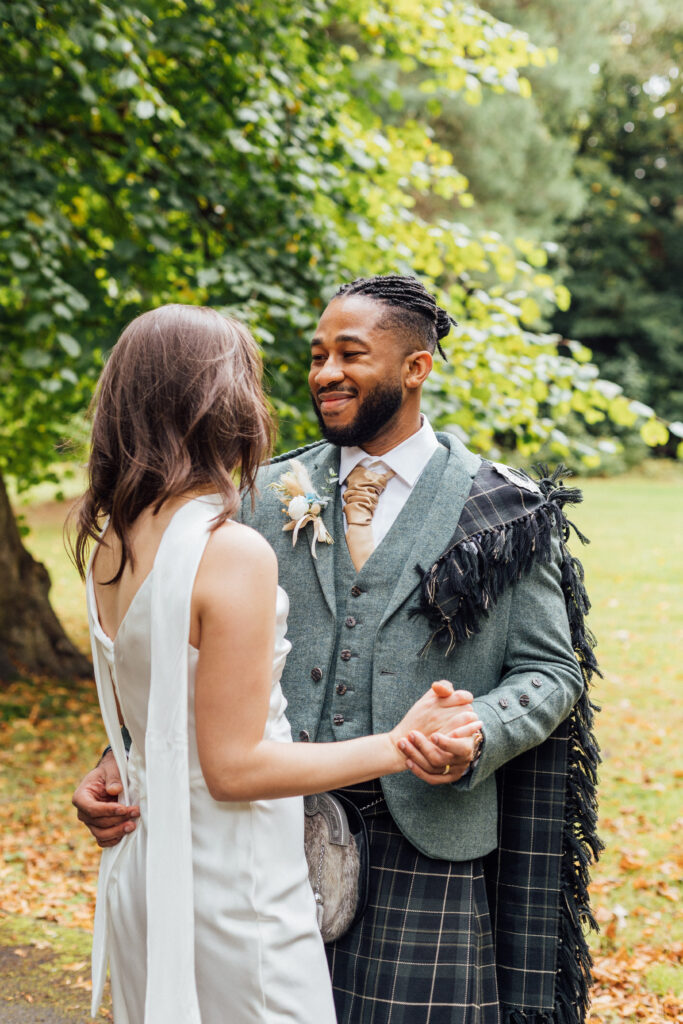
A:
<point x="347" y="707"/>
<point x="346" y="711"/>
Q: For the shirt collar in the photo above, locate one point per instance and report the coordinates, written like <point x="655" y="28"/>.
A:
<point x="407" y="459"/>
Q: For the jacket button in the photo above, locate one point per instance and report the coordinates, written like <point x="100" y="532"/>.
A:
<point x="304" y="736"/>
<point x="341" y="689"/>
<point x="316" y="674"/>
<point x="356" y="591"/>
<point x="345" y="655"/>
<point x="524" y="699"/>
<point x="504" y="702"/>
<point x="338" y="719"/>
<point x="350" y="621"/>
<point x="536" y="682"/>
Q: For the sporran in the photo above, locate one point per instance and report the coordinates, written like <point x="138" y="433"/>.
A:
<point x="337" y="852"/>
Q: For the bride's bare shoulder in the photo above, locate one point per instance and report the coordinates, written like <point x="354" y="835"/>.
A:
<point x="234" y="547"/>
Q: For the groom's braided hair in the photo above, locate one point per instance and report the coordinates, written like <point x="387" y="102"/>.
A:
<point x="420" y="315"/>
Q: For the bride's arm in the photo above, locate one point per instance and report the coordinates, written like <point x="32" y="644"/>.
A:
<point x="233" y="611"/>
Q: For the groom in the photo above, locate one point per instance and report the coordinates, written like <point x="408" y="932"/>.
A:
<point x="443" y="566"/>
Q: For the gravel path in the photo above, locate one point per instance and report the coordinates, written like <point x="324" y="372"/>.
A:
<point x="36" y="991"/>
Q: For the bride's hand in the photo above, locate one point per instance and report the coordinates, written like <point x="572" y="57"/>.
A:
<point x="442" y="709"/>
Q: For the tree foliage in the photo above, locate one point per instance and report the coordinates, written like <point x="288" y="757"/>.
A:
<point x="626" y="249"/>
<point x="591" y="162"/>
<point x="194" y="151"/>
<point x="517" y="150"/>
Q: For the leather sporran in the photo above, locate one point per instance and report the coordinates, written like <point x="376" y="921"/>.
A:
<point x="337" y="852"/>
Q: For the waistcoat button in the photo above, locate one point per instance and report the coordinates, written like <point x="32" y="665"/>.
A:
<point x="338" y="719"/>
<point x="341" y="689"/>
<point x="345" y="655"/>
<point x="316" y="674"/>
<point x="304" y="736"/>
<point x="356" y="591"/>
<point x="350" y="621"/>
<point x="536" y="683"/>
<point x="524" y="699"/>
<point x="503" y="702"/>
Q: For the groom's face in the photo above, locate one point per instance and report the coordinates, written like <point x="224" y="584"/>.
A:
<point x="355" y="378"/>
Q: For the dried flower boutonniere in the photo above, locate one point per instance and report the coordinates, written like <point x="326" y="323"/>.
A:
<point x="302" y="504"/>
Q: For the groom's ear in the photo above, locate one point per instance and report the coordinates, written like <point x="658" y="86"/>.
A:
<point x="416" y="368"/>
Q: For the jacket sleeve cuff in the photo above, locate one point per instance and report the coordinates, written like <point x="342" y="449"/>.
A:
<point x="127" y="742"/>
<point x="515" y="718"/>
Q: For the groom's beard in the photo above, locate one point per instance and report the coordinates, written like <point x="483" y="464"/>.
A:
<point x="374" y="412"/>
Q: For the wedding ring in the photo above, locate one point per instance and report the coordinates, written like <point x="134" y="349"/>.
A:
<point x="446" y="770"/>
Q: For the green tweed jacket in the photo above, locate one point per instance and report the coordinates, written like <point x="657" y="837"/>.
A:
<point x="520" y="666"/>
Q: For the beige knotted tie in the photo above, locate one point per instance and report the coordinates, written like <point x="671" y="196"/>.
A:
<point x="363" y="488"/>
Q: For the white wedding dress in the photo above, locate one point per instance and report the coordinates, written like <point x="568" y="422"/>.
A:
<point x="204" y="912"/>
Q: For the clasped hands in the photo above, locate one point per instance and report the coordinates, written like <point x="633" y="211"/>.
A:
<point x="443" y="756"/>
<point x="441" y="729"/>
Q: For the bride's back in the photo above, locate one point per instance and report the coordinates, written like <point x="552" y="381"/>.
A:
<point x="115" y="597"/>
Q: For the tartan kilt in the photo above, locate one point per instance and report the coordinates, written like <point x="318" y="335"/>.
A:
<point x="423" y="952"/>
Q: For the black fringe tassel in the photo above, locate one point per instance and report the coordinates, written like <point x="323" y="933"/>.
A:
<point x="457" y="594"/>
<point x="476" y="571"/>
<point x="582" y="845"/>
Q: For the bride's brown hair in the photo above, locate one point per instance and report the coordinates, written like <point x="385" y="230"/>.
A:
<point x="178" y="407"/>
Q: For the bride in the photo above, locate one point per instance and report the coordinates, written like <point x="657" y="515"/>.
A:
<point x="204" y="912"/>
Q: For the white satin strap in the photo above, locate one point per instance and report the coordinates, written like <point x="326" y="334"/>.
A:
<point x="105" y="691"/>
<point x="102" y="659"/>
<point x="171" y="988"/>
<point x="102" y="666"/>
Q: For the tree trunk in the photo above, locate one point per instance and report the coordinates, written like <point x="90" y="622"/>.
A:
<point x="31" y="637"/>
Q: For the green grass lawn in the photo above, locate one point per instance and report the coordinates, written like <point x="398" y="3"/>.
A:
<point x="634" y="570"/>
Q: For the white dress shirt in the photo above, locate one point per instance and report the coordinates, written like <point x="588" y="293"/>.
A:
<point x="407" y="460"/>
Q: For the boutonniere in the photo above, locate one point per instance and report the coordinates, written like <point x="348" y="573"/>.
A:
<point x="302" y="504"/>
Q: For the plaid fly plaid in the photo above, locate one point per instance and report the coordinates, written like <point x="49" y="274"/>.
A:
<point x="423" y="951"/>
<point x="537" y="879"/>
<point x="523" y="874"/>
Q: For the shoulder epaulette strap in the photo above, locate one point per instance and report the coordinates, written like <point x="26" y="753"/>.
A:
<point x="296" y="451"/>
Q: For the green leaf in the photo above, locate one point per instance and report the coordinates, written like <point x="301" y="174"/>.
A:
<point x="35" y="359"/>
<point x="19" y="260"/>
<point x="126" y="79"/>
<point x="539" y="390"/>
<point x="653" y="433"/>
<point x="563" y="297"/>
<point x="620" y="411"/>
<point x="145" y="109"/>
<point x="529" y="310"/>
<point x="69" y="344"/>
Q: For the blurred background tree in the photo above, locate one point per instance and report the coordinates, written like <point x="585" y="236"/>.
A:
<point x="591" y="163"/>
<point x="252" y="156"/>
<point x="624" y="250"/>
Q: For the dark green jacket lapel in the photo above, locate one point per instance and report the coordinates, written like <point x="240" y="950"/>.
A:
<point x="433" y="530"/>
<point x="323" y="473"/>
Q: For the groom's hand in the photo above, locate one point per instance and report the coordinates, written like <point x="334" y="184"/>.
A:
<point x="441" y="760"/>
<point x="96" y="801"/>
